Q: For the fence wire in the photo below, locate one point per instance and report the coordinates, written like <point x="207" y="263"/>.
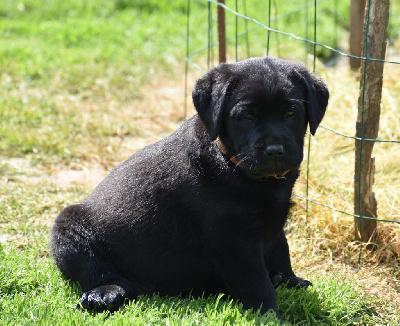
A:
<point x="271" y="6"/>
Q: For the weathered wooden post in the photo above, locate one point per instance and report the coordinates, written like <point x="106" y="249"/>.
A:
<point x="374" y="46"/>
<point x="357" y="13"/>
<point x="221" y="32"/>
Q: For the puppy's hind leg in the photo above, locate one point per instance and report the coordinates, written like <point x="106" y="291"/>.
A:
<point x="84" y="258"/>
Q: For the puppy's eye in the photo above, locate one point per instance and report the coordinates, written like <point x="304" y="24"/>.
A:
<point x="289" y="114"/>
<point x="249" y="116"/>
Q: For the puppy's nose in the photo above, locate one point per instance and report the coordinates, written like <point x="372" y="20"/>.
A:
<point x="273" y="150"/>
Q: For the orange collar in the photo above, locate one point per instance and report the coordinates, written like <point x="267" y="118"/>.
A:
<point x="223" y="150"/>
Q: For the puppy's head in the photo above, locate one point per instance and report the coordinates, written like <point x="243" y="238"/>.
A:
<point x="259" y="108"/>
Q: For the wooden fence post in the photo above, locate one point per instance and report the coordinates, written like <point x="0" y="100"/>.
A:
<point x="357" y="12"/>
<point x="374" y="46"/>
<point x="221" y="32"/>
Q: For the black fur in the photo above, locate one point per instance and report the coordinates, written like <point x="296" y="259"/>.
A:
<point x="179" y="216"/>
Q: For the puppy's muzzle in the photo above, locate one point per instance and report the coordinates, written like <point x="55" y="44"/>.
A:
<point x="271" y="151"/>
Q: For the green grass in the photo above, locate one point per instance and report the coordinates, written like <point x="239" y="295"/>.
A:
<point x="76" y="88"/>
<point x="33" y="291"/>
<point x="69" y="48"/>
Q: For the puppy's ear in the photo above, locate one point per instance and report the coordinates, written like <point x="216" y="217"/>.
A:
<point x="317" y="99"/>
<point x="209" y="95"/>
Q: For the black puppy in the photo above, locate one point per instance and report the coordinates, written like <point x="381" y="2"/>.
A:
<point x="202" y="210"/>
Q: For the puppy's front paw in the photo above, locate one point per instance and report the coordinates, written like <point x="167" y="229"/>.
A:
<point x="298" y="282"/>
<point x="293" y="281"/>
<point x="106" y="297"/>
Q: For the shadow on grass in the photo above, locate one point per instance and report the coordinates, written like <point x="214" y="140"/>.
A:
<point x="328" y="302"/>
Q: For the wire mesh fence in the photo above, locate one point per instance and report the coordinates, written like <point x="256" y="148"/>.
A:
<point x="312" y="31"/>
